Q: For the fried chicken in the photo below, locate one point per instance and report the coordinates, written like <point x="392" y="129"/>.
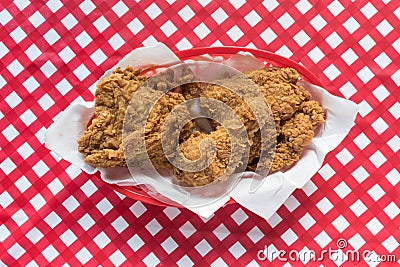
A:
<point x="212" y="155"/>
<point x="279" y="87"/>
<point x="101" y="144"/>
<point x="245" y="103"/>
<point x="295" y="116"/>
<point x="155" y="126"/>
<point x="289" y="104"/>
<point x="158" y="93"/>
<point x="296" y="133"/>
<point x="280" y="134"/>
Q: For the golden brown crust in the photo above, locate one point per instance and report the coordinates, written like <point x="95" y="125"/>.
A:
<point x="279" y="86"/>
<point x="217" y="162"/>
<point x="295" y="117"/>
<point x="155" y="127"/>
<point x="296" y="133"/>
<point x="101" y="144"/>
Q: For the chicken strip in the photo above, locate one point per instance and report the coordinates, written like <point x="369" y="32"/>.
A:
<point x="289" y="105"/>
<point x="213" y="165"/>
<point x="101" y="144"/>
<point x="155" y="126"/>
<point x="296" y="134"/>
<point x="279" y="86"/>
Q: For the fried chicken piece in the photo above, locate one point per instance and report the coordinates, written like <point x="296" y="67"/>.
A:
<point x="155" y="126"/>
<point x="279" y="87"/>
<point x="314" y="110"/>
<point x="192" y="90"/>
<point x="296" y="133"/>
<point x="172" y="79"/>
<point x="101" y="144"/>
<point x="289" y="103"/>
<point x="213" y="165"/>
<point x="273" y="74"/>
<point x="237" y="104"/>
<point x="295" y="118"/>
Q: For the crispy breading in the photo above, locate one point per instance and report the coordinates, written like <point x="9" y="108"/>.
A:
<point x="296" y="133"/>
<point x="295" y="116"/>
<point x="294" y="120"/>
<point x="155" y="126"/>
<point x="200" y="146"/>
<point x="246" y="100"/>
<point x="101" y="144"/>
<point x="279" y="86"/>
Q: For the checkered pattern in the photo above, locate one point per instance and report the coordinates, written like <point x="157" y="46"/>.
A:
<point x="52" y="53"/>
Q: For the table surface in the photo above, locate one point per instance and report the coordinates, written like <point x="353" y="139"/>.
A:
<point x="52" y="53"/>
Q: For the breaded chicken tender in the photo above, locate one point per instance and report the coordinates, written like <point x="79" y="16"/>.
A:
<point x="242" y="108"/>
<point x="296" y="117"/>
<point x="285" y="131"/>
<point x="296" y="133"/>
<point x="279" y="86"/>
<point x="294" y="114"/>
<point x="217" y="165"/>
<point x="155" y="127"/>
<point x="101" y="144"/>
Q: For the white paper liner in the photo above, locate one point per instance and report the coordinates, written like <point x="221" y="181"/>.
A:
<point x="61" y="138"/>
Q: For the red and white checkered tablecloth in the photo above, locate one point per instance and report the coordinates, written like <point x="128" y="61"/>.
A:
<point x="52" y="53"/>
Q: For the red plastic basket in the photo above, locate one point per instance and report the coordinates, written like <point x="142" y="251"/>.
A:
<point x="135" y="192"/>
